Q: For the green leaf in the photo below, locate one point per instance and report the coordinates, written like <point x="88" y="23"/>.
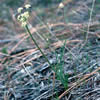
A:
<point x="4" y="50"/>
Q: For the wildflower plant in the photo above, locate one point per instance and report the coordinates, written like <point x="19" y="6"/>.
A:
<point x="23" y="16"/>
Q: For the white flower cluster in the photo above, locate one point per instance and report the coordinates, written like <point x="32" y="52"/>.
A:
<point x="23" y="17"/>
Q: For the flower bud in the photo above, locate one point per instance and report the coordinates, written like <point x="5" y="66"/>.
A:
<point x="27" y="6"/>
<point x="61" y="5"/>
<point x="19" y="10"/>
<point x="18" y="17"/>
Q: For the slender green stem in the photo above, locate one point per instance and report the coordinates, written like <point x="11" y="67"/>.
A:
<point x="28" y="31"/>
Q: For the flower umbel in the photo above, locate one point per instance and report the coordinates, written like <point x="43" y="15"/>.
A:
<point x="23" y="17"/>
<point x="25" y="14"/>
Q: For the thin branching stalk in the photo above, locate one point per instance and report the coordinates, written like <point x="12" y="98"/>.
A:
<point x="28" y="31"/>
